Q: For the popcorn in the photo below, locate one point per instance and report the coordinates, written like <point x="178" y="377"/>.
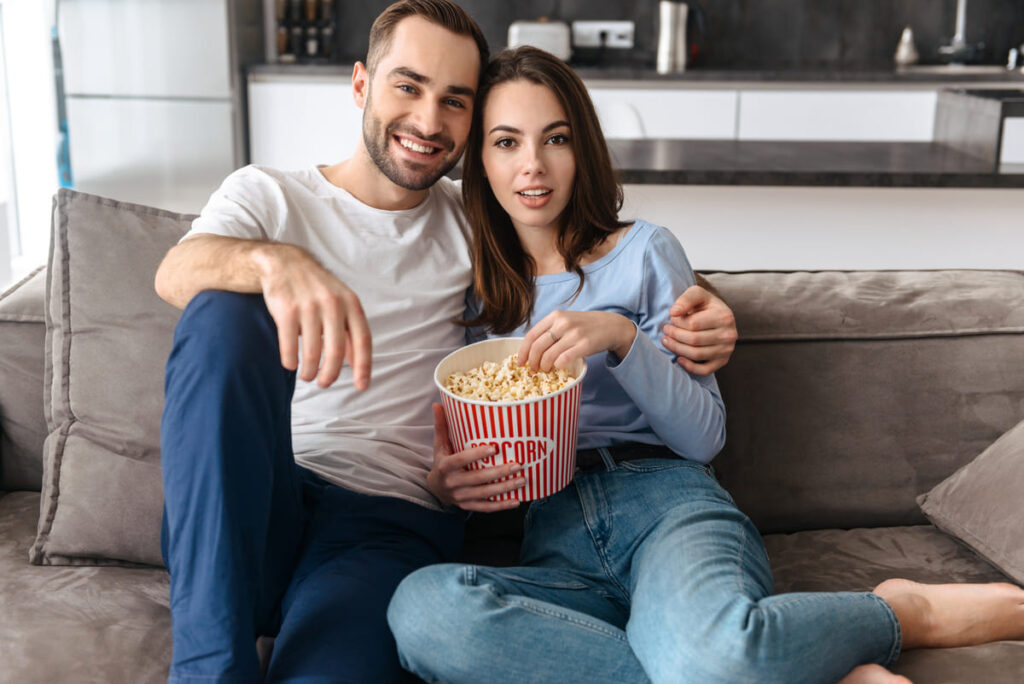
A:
<point x="506" y="381"/>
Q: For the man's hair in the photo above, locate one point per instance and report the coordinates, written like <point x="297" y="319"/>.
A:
<point x="444" y="13"/>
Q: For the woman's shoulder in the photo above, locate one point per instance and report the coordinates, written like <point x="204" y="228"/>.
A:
<point x="647" y="236"/>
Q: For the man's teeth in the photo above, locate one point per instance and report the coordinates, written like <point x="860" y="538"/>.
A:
<point x="409" y="145"/>
<point x="534" y="193"/>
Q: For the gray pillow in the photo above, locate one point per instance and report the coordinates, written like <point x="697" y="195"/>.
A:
<point x="107" y="339"/>
<point x="22" y="426"/>
<point x="981" y="503"/>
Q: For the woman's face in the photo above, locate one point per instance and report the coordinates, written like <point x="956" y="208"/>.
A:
<point x="527" y="154"/>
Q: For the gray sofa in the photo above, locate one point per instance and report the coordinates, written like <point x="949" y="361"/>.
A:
<point x="851" y="397"/>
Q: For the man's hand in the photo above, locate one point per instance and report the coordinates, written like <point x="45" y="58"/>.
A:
<point x="304" y="299"/>
<point x="702" y="331"/>
<point x="307" y="302"/>
<point x="452" y="484"/>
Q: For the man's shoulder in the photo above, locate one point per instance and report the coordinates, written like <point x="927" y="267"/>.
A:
<point x="450" y="190"/>
<point x="261" y="177"/>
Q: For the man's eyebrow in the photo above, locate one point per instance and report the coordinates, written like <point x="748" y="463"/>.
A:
<point x="510" y="129"/>
<point x="426" y="80"/>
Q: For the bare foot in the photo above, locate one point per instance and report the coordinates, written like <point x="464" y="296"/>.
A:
<point x="873" y="674"/>
<point x="945" y="615"/>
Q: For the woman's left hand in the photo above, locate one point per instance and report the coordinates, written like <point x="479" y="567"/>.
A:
<point x="561" y="337"/>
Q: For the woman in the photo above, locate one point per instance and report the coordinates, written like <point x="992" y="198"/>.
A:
<point x="642" y="568"/>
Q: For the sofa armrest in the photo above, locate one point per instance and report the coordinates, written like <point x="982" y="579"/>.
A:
<point x="22" y="422"/>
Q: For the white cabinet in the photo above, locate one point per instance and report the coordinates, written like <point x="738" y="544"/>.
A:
<point x="840" y="115"/>
<point x="810" y="113"/>
<point x="665" y="112"/>
<point x="297" y="122"/>
<point x="1013" y="141"/>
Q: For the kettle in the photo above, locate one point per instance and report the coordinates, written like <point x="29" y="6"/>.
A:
<point x="681" y="27"/>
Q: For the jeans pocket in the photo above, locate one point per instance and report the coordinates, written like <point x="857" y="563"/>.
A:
<point x="652" y="465"/>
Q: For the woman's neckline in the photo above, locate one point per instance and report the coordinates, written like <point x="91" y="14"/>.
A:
<point x="622" y="239"/>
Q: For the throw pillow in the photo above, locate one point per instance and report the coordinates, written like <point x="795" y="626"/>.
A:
<point x="981" y="504"/>
<point x="107" y="339"/>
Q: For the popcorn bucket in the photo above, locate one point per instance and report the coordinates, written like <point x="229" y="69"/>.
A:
<point x="539" y="434"/>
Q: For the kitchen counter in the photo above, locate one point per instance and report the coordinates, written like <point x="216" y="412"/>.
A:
<point x="919" y="75"/>
<point x="824" y="164"/>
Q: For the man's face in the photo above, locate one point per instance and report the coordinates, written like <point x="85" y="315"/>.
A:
<point x="419" y="105"/>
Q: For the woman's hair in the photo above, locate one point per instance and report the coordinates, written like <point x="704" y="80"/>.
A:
<point x="503" y="273"/>
<point x="444" y="13"/>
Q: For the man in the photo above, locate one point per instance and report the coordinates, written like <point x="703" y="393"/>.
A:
<point x="295" y="510"/>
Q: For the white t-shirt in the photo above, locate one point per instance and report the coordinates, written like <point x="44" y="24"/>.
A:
<point x="411" y="270"/>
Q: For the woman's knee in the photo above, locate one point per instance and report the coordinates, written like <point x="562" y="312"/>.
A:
<point x="429" y="617"/>
<point x="421" y="601"/>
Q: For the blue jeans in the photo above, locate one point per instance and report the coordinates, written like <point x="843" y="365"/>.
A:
<point x="257" y="545"/>
<point x="638" y="571"/>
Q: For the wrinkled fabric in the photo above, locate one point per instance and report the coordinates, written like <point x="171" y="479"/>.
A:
<point x="859" y="559"/>
<point x="88" y="625"/>
<point x="108" y="335"/>
<point x="980" y="504"/>
<point x="849" y="394"/>
<point x="22" y="425"/>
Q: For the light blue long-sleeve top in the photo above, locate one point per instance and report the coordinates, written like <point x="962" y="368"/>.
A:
<point x="646" y="397"/>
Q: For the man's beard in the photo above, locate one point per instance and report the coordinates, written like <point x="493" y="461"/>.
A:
<point x="377" y="141"/>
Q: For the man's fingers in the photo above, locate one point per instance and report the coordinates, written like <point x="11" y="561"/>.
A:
<point x="362" y="344"/>
<point x="693" y="299"/>
<point x="334" y="351"/>
<point x="694" y="338"/>
<point x="312" y="342"/>
<point x="703" y="369"/>
<point x="288" y="341"/>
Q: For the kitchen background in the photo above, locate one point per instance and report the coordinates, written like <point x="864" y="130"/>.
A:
<point x="752" y="34"/>
<point x="790" y="133"/>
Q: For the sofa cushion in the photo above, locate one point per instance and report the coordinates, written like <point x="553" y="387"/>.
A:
<point x="859" y="559"/>
<point x="22" y="425"/>
<point x="850" y="393"/>
<point x="981" y="504"/>
<point x="108" y="337"/>
<point x="88" y="625"/>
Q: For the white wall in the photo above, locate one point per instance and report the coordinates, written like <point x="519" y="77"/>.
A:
<point x="782" y="228"/>
<point x="33" y="123"/>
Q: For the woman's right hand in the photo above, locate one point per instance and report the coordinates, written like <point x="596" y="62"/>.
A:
<point x="561" y="337"/>
<point x="470" y="490"/>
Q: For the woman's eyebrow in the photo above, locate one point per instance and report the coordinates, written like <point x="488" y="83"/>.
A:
<point x="511" y="129"/>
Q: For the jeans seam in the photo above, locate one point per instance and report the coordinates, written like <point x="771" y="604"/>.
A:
<point x="599" y="547"/>
<point x="538" y="610"/>
<point x="897" y="644"/>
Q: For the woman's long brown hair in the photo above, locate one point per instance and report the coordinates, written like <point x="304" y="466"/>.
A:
<point x="503" y="273"/>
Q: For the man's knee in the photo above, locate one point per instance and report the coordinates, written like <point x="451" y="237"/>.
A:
<point x="226" y="327"/>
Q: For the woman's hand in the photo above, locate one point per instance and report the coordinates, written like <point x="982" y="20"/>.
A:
<point x="561" y="337"/>
<point x="453" y="485"/>
<point x="702" y="331"/>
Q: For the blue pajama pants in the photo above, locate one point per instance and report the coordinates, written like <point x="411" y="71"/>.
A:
<point x="257" y="545"/>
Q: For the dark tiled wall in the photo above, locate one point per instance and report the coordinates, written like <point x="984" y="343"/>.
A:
<point x="751" y="34"/>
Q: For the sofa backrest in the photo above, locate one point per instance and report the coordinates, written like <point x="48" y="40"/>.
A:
<point x="22" y="425"/>
<point x="852" y="392"/>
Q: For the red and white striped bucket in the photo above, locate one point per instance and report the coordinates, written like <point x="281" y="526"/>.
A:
<point x="539" y="434"/>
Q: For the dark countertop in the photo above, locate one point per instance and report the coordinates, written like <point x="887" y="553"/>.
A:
<point x="852" y="164"/>
<point x="922" y="76"/>
<point x="1011" y="99"/>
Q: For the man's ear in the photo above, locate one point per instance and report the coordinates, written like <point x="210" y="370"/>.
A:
<point x="360" y="84"/>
